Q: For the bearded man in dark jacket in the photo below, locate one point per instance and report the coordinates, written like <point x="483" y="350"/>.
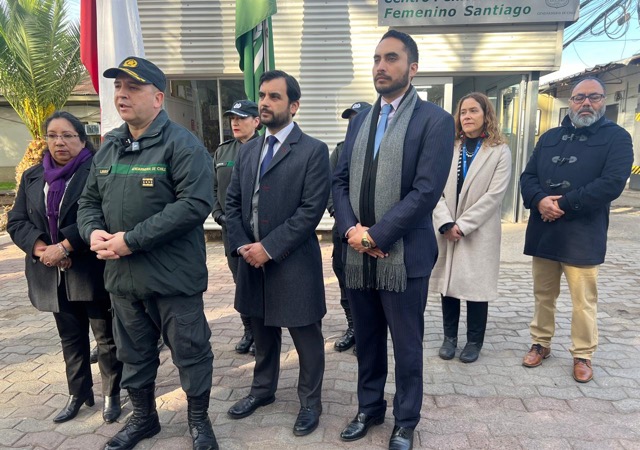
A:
<point x="575" y="172"/>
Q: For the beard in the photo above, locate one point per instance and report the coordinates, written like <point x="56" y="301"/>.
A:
<point x="397" y="85"/>
<point x="585" y="121"/>
<point x="276" y="120"/>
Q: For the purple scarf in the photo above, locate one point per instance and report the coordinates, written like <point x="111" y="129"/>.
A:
<point x="57" y="177"/>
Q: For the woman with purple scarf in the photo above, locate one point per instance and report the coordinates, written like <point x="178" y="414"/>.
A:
<point x="63" y="276"/>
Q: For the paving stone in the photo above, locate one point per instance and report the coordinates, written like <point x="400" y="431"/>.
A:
<point x="630" y="444"/>
<point x="41" y="439"/>
<point x="9" y="436"/>
<point x="484" y="441"/>
<point x="493" y="403"/>
<point x="565" y="393"/>
<point x="545" y="444"/>
<point x="627" y="405"/>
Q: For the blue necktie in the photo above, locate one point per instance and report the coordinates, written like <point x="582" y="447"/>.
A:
<point x="382" y="126"/>
<point x="271" y="140"/>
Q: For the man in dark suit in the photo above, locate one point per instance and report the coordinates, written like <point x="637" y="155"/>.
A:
<point x="276" y="198"/>
<point x="389" y="178"/>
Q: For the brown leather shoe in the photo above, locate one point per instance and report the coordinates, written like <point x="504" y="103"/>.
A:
<point x="535" y="355"/>
<point x="582" y="371"/>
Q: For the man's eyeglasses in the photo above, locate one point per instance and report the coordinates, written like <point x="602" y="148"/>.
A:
<point x="593" y="98"/>
<point x="66" y="137"/>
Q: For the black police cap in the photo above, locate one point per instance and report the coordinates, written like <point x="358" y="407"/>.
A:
<point x="140" y="70"/>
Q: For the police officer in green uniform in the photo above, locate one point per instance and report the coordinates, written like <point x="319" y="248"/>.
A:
<point x="142" y="210"/>
<point x="244" y="120"/>
<point x="348" y="340"/>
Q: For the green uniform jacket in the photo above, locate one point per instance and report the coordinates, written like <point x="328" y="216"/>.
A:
<point x="224" y="159"/>
<point x="158" y="190"/>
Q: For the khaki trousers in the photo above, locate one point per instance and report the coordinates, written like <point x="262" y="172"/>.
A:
<point x="583" y="287"/>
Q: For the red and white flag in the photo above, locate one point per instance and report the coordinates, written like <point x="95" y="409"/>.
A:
<point x="109" y="32"/>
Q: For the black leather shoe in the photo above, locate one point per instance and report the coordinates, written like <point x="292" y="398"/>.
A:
<point x="347" y="341"/>
<point x="244" y="344"/>
<point x="448" y="348"/>
<point x="470" y="352"/>
<point x="111" y="409"/>
<point x="358" y="427"/>
<point x="401" y="438"/>
<point x="252" y="350"/>
<point x="73" y="406"/>
<point x="93" y="356"/>
<point x="247" y="406"/>
<point x="307" y="421"/>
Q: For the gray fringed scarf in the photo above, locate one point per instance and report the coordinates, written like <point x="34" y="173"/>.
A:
<point x="391" y="273"/>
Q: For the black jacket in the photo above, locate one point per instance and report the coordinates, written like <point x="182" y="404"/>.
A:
<point x="28" y="222"/>
<point x="589" y="168"/>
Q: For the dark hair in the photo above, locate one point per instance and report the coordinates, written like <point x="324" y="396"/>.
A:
<point x="410" y="45"/>
<point x="75" y="123"/>
<point x="597" y="80"/>
<point x="491" y="128"/>
<point x="293" y="88"/>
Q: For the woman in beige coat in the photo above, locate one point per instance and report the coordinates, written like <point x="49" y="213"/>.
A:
<point x="467" y="224"/>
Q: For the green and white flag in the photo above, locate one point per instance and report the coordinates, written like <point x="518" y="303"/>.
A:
<point x="254" y="41"/>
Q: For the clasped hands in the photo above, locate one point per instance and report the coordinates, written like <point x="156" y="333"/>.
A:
<point x="453" y="234"/>
<point x="354" y="239"/>
<point x="51" y="255"/>
<point x="254" y="254"/>
<point x="109" y="246"/>
<point x="549" y="209"/>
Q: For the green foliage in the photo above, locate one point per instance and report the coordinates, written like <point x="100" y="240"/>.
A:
<point x="7" y="185"/>
<point x="39" y="58"/>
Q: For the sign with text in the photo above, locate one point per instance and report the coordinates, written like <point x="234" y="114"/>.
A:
<point x="410" y="13"/>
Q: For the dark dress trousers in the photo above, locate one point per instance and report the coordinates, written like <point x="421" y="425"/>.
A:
<point x="288" y="291"/>
<point x="427" y="153"/>
<point x="76" y="296"/>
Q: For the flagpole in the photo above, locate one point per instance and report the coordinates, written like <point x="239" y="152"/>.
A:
<point x="265" y="44"/>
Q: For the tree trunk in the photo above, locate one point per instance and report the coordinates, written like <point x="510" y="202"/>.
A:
<point x="32" y="156"/>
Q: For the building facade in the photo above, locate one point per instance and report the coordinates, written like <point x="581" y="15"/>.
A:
<point x="328" y="46"/>
<point x="497" y="47"/>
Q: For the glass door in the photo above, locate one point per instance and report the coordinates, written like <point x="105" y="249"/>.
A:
<point x="438" y="90"/>
<point x="510" y="109"/>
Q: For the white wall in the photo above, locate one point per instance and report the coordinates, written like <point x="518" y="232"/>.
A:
<point x="14" y="136"/>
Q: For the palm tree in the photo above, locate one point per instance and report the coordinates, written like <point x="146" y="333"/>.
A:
<point x="39" y="65"/>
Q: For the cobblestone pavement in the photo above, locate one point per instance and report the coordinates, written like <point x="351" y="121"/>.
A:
<point x="494" y="403"/>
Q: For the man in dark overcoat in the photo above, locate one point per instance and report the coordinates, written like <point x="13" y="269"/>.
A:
<point x="575" y="171"/>
<point x="276" y="199"/>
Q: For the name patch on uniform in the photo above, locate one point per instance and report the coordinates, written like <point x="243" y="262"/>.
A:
<point x="142" y="169"/>
<point x="147" y="182"/>
<point x="103" y="170"/>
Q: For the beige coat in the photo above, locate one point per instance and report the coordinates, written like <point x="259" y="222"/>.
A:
<point x="468" y="269"/>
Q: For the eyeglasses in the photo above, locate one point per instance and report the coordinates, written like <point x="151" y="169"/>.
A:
<point x="66" y="137"/>
<point x="593" y="98"/>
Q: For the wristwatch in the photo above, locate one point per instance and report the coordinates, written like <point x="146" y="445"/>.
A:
<point x="366" y="243"/>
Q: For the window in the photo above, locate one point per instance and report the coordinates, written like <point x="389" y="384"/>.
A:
<point x="563" y="114"/>
<point x="199" y="106"/>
